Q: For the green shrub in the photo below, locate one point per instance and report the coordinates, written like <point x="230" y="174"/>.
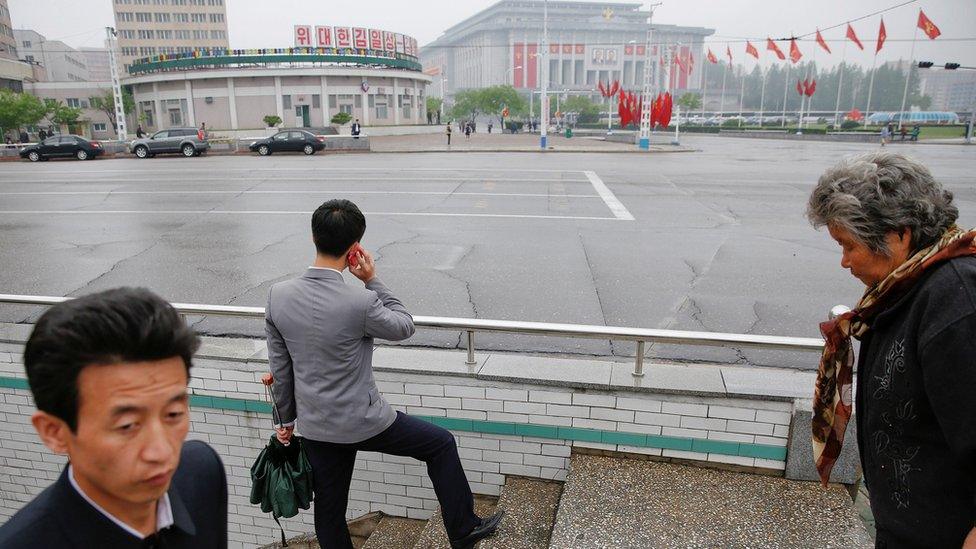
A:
<point x="732" y="123"/>
<point x="849" y="124"/>
<point x="341" y="118"/>
<point x="272" y="120"/>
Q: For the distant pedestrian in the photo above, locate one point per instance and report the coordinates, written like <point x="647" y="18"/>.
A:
<point x="24" y="138"/>
<point x="916" y="129"/>
<point x="885" y="135"/>
<point x="140" y="133"/>
<point x="489" y="127"/>
<point x="904" y="132"/>
<point x="357" y="128"/>
<point x="467" y="131"/>
<point x="448" y="131"/>
<point x="202" y="132"/>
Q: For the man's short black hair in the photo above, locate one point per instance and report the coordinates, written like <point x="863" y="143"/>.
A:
<point x="336" y="225"/>
<point x="110" y="327"/>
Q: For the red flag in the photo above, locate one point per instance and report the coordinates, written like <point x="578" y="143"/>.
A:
<point x="711" y="56"/>
<point x="820" y="40"/>
<point x="799" y="87"/>
<point x="622" y="110"/>
<point x="677" y="61"/>
<point x="665" y="118"/>
<point x="614" y="88"/>
<point x="882" y="35"/>
<point x="603" y="90"/>
<point x="770" y="45"/>
<point x="795" y="54"/>
<point x="853" y="37"/>
<point x="811" y="88"/>
<point x="691" y="62"/>
<point x="751" y="50"/>
<point x="656" y="110"/>
<point x="928" y="26"/>
<point x="728" y="51"/>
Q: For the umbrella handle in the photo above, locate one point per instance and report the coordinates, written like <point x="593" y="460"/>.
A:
<point x="268" y="379"/>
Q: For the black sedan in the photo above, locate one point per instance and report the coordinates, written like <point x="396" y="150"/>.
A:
<point x="289" y="140"/>
<point x="62" y="146"/>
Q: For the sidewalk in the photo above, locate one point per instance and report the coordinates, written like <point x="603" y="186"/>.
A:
<point x="495" y="142"/>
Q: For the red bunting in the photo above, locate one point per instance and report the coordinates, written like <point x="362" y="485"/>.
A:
<point x="751" y="50"/>
<point x="711" y="56"/>
<point x="928" y="26"/>
<point x="665" y="117"/>
<point x="882" y="36"/>
<point x="799" y="87"/>
<point x="728" y="51"/>
<point x="770" y="45"/>
<point x="853" y="37"/>
<point x="622" y="110"/>
<point x="822" y="42"/>
<point x="795" y="54"/>
<point x="811" y="88"/>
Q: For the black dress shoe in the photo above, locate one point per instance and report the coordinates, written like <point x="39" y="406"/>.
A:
<point x="481" y="531"/>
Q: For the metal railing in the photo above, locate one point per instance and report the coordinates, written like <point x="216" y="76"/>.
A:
<point x="471" y="325"/>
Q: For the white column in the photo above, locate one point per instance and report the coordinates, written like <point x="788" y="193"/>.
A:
<point x="396" y="103"/>
<point x="365" y="100"/>
<point x="278" y="105"/>
<point x="157" y="106"/>
<point x="232" y="103"/>
<point x="326" y="119"/>
<point x="189" y="103"/>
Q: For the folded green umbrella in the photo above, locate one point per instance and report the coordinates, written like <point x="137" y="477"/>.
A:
<point x="281" y="479"/>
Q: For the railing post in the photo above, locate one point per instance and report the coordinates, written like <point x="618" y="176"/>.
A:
<point x="639" y="361"/>
<point x="470" y="361"/>
<point x="183" y="318"/>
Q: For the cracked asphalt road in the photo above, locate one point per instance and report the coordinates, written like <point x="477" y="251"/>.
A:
<point x="719" y="241"/>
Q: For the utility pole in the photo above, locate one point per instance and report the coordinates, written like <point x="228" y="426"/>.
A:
<point x="645" y="121"/>
<point x="112" y="44"/>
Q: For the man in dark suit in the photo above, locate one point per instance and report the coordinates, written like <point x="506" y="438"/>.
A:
<point x="356" y="129"/>
<point x="320" y="348"/>
<point x="109" y="374"/>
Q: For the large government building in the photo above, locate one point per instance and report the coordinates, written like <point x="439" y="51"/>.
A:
<point x="589" y="42"/>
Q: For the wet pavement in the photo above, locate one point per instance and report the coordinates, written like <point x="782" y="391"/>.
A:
<point x="717" y="240"/>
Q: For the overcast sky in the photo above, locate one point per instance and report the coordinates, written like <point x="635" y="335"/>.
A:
<point x="263" y="23"/>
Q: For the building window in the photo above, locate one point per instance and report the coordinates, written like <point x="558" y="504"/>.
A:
<point x="316" y="101"/>
<point x="73" y="102"/>
<point x="199" y="17"/>
<point x="98" y="127"/>
<point x="182" y="35"/>
<point x="29" y="58"/>
<point x="181" y="17"/>
<point x="200" y="35"/>
<point x="216" y="18"/>
<point x="217" y="35"/>
<point x="27" y="43"/>
<point x="162" y="17"/>
<point x="143" y="17"/>
<point x="125" y="16"/>
<point x="130" y="34"/>
<point x="145" y="34"/>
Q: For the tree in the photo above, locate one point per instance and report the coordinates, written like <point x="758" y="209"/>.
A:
<point x="495" y="98"/>
<point x="434" y="109"/>
<point x="106" y="103"/>
<point x="690" y="102"/>
<point x="466" y="104"/>
<point x="272" y="120"/>
<point x="587" y="111"/>
<point x="341" y="118"/>
<point x="61" y="114"/>
<point x="19" y="109"/>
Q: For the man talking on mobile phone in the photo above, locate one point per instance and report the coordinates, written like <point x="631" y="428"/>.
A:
<point x="320" y="347"/>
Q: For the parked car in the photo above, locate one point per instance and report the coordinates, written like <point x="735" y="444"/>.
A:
<point x="289" y="140"/>
<point x="62" y="146"/>
<point x="185" y="141"/>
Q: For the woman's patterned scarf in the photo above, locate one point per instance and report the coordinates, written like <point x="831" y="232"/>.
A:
<point x="835" y="375"/>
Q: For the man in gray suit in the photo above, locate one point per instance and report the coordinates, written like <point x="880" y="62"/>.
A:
<point x="320" y="347"/>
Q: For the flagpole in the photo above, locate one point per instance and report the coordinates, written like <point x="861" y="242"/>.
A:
<point x="762" y="98"/>
<point x="908" y="76"/>
<point x="786" y="87"/>
<point x="742" y="92"/>
<point x="721" y="105"/>
<point x="704" y="85"/>
<point x="867" y="110"/>
<point x="843" y="58"/>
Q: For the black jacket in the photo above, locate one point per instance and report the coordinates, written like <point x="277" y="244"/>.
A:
<point x="916" y="411"/>
<point x="60" y="517"/>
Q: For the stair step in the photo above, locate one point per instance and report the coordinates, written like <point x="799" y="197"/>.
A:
<point x="618" y="502"/>
<point x="395" y="533"/>
<point x="530" y="512"/>
<point x="434" y="535"/>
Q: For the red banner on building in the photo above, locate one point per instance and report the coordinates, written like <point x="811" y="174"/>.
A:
<point x="375" y="39"/>
<point x="360" y="39"/>
<point x="641" y="50"/>
<point x="580" y="48"/>
<point x="629" y="50"/>
<point x="553" y="48"/>
<point x="323" y="37"/>
<point x="567" y="49"/>
<point x="389" y="41"/>
<point x="518" y="60"/>
<point x="343" y="37"/>
<point x="531" y="67"/>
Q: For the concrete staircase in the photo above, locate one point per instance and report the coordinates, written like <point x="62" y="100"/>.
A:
<point x="618" y="502"/>
<point x="611" y="502"/>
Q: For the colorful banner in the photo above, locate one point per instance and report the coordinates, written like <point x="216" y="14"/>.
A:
<point x="518" y="57"/>
<point x="360" y="38"/>
<point x="531" y="66"/>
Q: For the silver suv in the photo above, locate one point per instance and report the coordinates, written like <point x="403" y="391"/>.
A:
<point x="184" y="141"/>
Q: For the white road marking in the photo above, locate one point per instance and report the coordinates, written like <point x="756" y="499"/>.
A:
<point x="324" y="169"/>
<point x="292" y="212"/>
<point x="311" y="191"/>
<point x="617" y="207"/>
<point x="73" y="179"/>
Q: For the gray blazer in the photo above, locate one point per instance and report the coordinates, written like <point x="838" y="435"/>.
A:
<point x="320" y="347"/>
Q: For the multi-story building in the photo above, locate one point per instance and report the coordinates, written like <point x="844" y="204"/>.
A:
<point x="8" y="44"/>
<point x="61" y="62"/>
<point x="153" y="27"/>
<point x="589" y="42"/>
<point x="949" y="90"/>
<point x="96" y="59"/>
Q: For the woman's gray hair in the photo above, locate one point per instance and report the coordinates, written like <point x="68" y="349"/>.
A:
<point x="873" y="194"/>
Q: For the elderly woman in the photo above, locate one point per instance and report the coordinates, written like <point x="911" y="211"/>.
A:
<point x="916" y="374"/>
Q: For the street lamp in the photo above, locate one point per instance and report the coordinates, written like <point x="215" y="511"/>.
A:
<point x="511" y="71"/>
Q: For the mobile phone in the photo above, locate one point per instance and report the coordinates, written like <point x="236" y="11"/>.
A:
<point x="352" y="258"/>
